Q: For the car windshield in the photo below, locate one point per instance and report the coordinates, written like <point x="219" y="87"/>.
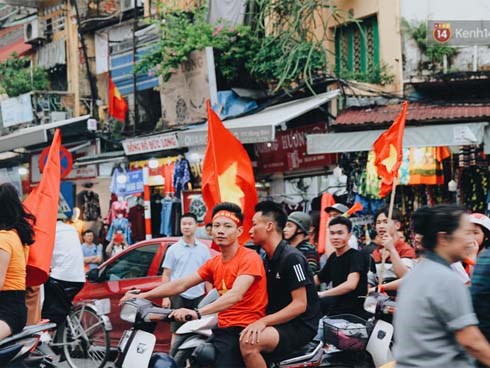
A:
<point x="133" y="264"/>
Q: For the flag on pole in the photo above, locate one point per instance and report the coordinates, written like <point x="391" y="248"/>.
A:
<point x="227" y="174"/>
<point x="118" y="107"/>
<point x="42" y="202"/>
<point x="388" y="151"/>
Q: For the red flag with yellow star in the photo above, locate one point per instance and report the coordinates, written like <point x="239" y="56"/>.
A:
<point x="227" y="174"/>
<point x="42" y="202"/>
<point x="118" y="107"/>
<point x="388" y="151"/>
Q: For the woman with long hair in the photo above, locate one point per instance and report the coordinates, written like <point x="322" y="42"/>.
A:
<point x="16" y="234"/>
<point x="435" y="325"/>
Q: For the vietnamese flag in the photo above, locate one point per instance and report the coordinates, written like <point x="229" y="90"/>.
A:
<point x="118" y="107"/>
<point x="42" y="202"/>
<point x="388" y="151"/>
<point x="227" y="174"/>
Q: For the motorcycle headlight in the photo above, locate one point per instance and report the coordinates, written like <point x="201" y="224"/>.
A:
<point x="128" y="312"/>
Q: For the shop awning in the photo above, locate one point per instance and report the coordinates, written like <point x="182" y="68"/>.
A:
<point x="101" y="158"/>
<point x="420" y="136"/>
<point x="259" y="127"/>
<point x="33" y="135"/>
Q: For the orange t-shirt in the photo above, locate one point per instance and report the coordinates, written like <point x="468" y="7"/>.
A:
<point x="222" y="274"/>
<point x="15" y="278"/>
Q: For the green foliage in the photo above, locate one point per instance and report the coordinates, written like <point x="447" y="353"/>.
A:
<point x="378" y="74"/>
<point x="182" y="33"/>
<point x="435" y="53"/>
<point x="15" y="77"/>
<point x="288" y="50"/>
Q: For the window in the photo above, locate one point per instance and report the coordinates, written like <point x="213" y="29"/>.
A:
<point x="131" y="265"/>
<point x="357" y="50"/>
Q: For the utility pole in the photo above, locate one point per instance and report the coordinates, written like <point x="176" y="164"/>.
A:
<point x="135" y="102"/>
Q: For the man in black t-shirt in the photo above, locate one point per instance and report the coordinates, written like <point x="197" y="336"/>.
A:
<point x="293" y="311"/>
<point x="347" y="269"/>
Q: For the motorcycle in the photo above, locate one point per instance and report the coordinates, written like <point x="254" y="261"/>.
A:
<point x="20" y="350"/>
<point x="354" y="342"/>
<point x="136" y="345"/>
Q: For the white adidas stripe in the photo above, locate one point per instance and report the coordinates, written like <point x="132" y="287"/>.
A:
<point x="299" y="272"/>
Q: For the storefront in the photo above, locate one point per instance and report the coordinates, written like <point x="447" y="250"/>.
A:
<point x="442" y="163"/>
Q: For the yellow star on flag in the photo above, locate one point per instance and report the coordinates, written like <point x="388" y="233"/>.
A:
<point x="390" y="161"/>
<point x="229" y="190"/>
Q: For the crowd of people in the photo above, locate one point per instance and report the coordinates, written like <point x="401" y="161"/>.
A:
<point x="271" y="298"/>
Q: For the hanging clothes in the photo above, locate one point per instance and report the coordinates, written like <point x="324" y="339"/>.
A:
<point x="89" y="205"/>
<point x="168" y="176"/>
<point x="136" y="218"/>
<point x="426" y="165"/>
<point x="175" y="218"/>
<point x="182" y="176"/>
<point x="166" y="217"/>
<point x="370" y="183"/>
<point x="120" y="223"/>
<point x="117" y="207"/>
<point x="156" y="210"/>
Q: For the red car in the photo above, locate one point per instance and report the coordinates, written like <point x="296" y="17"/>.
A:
<point x="137" y="267"/>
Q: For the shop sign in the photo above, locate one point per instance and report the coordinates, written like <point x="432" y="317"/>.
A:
<point x="248" y="135"/>
<point x="193" y="202"/>
<point x="17" y="110"/>
<point x="81" y="172"/>
<point x="288" y="151"/>
<point x="66" y="161"/>
<point x="150" y="144"/>
<point x="134" y="182"/>
<point x="184" y="95"/>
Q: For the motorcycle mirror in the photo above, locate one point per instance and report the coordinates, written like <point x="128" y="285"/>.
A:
<point x="93" y="275"/>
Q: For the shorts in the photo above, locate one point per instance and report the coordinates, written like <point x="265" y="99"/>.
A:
<point x="181" y="302"/>
<point x="292" y="336"/>
<point x="13" y="310"/>
<point x="227" y="344"/>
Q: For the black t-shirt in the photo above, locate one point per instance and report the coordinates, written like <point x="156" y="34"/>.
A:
<point x="337" y="269"/>
<point x="288" y="271"/>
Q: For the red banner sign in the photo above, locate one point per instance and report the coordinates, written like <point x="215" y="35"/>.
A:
<point x="288" y="151"/>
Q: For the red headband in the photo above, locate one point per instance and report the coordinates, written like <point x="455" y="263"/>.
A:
<point x="229" y="215"/>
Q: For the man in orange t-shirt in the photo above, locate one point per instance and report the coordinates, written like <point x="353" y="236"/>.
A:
<point x="239" y="276"/>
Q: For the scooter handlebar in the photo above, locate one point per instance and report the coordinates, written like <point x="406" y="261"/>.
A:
<point x="154" y="314"/>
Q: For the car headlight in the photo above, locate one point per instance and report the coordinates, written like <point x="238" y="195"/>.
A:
<point x="128" y="312"/>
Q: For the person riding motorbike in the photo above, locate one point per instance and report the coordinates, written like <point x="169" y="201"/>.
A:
<point x="16" y="234"/>
<point x="293" y="311"/>
<point x="296" y="232"/>
<point x="239" y="276"/>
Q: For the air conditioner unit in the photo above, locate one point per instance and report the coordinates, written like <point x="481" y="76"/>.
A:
<point x="34" y="31"/>
<point x="130" y="4"/>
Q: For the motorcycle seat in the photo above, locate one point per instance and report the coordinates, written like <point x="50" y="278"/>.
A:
<point x="27" y="331"/>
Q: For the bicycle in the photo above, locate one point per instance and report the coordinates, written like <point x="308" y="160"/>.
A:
<point x="83" y="338"/>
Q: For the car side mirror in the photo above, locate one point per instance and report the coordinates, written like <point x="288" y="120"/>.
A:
<point x="93" y="275"/>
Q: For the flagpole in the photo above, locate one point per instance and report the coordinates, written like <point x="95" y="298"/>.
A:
<point x="384" y="254"/>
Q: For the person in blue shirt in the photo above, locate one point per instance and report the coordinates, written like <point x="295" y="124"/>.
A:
<point x="92" y="253"/>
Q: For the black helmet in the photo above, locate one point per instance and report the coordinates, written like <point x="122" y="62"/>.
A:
<point x="301" y="219"/>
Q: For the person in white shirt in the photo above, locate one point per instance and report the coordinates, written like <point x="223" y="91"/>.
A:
<point x="182" y="259"/>
<point x="67" y="276"/>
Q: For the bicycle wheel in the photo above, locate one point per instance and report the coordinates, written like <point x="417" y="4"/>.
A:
<point x="86" y="342"/>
